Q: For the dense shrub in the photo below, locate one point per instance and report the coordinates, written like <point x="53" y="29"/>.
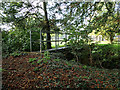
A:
<point x="103" y="56"/>
<point x="15" y="40"/>
<point x="107" y="55"/>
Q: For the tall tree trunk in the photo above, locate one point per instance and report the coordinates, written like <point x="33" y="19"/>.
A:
<point x="47" y="27"/>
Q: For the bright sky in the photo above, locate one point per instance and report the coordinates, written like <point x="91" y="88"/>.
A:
<point x="34" y="3"/>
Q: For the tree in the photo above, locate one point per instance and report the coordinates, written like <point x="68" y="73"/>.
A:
<point x="17" y="13"/>
<point x="47" y="27"/>
<point x="107" y="21"/>
<point x="74" y="24"/>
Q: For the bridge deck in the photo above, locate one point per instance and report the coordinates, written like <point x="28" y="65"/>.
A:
<point x="53" y="49"/>
<point x="50" y="50"/>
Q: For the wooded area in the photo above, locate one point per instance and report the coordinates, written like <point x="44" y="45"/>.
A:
<point x="89" y="31"/>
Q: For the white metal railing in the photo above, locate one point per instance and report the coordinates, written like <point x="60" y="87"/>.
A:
<point x="56" y="39"/>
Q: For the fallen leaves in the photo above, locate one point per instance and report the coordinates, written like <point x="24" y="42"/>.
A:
<point x="39" y="77"/>
<point x="20" y="74"/>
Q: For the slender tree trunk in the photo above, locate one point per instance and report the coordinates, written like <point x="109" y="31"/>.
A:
<point x="47" y="27"/>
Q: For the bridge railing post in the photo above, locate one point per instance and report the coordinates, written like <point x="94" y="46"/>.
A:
<point x="65" y="38"/>
<point x="40" y="41"/>
<point x="58" y="39"/>
<point x="30" y="42"/>
<point x="55" y="40"/>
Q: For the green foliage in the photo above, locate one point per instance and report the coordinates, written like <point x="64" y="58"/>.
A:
<point x="82" y="75"/>
<point x="15" y="54"/>
<point x="84" y="66"/>
<point x="73" y="60"/>
<point x="12" y="41"/>
<point x="45" y="61"/>
<point x="5" y="44"/>
<point x="32" y="60"/>
<point x="33" y="63"/>
<point x="74" y="16"/>
<point x="36" y="69"/>
<point x="18" y="38"/>
<point x="46" y="57"/>
<point x="107" y="55"/>
<point x="61" y="74"/>
<point x="1" y="70"/>
<point x="76" y="44"/>
<point x="57" y="60"/>
<point x="72" y="22"/>
<point x="39" y="61"/>
<point x="78" y="32"/>
<point x="46" y="53"/>
<point x="69" y="64"/>
<point x="57" y="55"/>
<point x="106" y="23"/>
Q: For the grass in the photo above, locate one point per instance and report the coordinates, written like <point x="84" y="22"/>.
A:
<point x="60" y="45"/>
<point x="115" y="46"/>
<point x="102" y="43"/>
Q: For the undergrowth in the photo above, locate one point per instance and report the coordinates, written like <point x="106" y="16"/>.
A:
<point x="70" y="74"/>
